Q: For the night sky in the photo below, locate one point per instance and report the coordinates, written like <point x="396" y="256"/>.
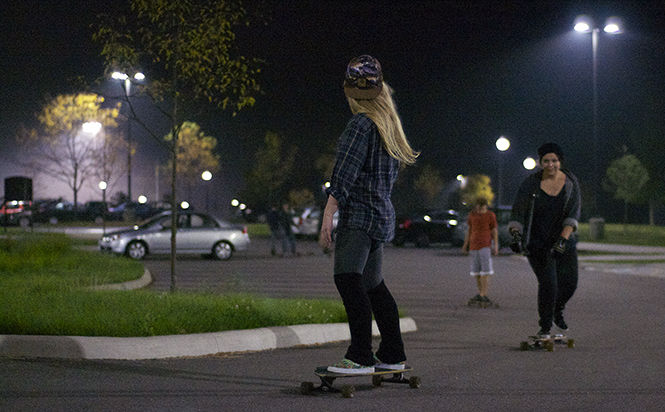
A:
<point x="464" y="74"/>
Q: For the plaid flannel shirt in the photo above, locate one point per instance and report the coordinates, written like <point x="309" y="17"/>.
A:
<point x="363" y="179"/>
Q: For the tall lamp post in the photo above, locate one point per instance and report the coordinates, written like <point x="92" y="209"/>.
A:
<point x="206" y="176"/>
<point x="502" y="144"/>
<point x="584" y="24"/>
<point x="102" y="185"/>
<point x="127" y="83"/>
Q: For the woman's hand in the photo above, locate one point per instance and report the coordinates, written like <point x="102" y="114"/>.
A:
<point x="325" y="236"/>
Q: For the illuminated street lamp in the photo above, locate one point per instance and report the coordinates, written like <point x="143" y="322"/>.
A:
<point x="206" y="176"/>
<point x="235" y="202"/>
<point x="102" y="186"/>
<point x="142" y="199"/>
<point x="127" y="81"/>
<point x="529" y="163"/>
<point x="502" y="144"/>
<point x="584" y="24"/>
<point x="91" y="128"/>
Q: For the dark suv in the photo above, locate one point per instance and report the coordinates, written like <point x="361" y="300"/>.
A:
<point x="430" y="226"/>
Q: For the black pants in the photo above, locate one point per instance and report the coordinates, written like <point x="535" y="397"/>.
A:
<point x="360" y="283"/>
<point x="557" y="280"/>
<point x="360" y="304"/>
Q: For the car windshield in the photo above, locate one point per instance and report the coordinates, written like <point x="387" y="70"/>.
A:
<point x="151" y="221"/>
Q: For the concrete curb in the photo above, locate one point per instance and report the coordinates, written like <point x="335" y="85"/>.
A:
<point x="139" y="283"/>
<point x="159" y="347"/>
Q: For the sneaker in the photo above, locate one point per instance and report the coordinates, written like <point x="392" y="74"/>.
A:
<point x="485" y="299"/>
<point x="543" y="334"/>
<point x="349" y="366"/>
<point x="560" y="323"/>
<point x="391" y="366"/>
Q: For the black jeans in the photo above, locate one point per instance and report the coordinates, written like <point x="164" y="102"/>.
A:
<point x="557" y="281"/>
<point x="360" y="304"/>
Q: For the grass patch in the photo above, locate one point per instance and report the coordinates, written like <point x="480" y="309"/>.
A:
<point x="628" y="261"/>
<point x="258" y="230"/>
<point x="44" y="291"/>
<point x="638" y="235"/>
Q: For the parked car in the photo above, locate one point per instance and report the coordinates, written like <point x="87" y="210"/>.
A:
<point x="307" y="222"/>
<point x="54" y="211"/>
<point x="16" y="212"/>
<point x="422" y="229"/>
<point x="197" y="233"/>
<point x="502" y="218"/>
<point x="141" y="211"/>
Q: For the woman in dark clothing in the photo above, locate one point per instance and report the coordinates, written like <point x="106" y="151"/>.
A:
<point x="369" y="153"/>
<point x="544" y="220"/>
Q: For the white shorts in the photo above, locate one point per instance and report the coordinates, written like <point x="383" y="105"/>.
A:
<point x="481" y="262"/>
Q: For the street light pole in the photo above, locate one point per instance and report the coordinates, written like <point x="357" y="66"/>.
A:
<point x="102" y="185"/>
<point x="583" y="24"/>
<point x="206" y="176"/>
<point x="502" y="144"/>
<point x="127" y="83"/>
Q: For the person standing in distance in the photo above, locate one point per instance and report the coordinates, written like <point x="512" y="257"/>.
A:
<point x="544" y="222"/>
<point x="481" y="241"/>
<point x="369" y="154"/>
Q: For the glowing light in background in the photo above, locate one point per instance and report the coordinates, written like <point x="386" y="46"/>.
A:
<point x="529" y="163"/>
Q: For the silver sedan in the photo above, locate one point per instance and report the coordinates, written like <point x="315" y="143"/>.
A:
<point x="197" y="233"/>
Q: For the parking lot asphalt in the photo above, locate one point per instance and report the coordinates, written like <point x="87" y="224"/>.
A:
<point x="468" y="358"/>
<point x="84" y="347"/>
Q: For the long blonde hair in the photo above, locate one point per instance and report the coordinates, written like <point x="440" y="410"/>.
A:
<point x="383" y="113"/>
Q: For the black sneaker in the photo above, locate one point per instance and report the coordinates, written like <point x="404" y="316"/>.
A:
<point x="560" y="323"/>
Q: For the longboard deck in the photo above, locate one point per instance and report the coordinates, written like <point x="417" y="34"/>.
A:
<point x="327" y="379"/>
<point x="536" y="342"/>
<point x="323" y="372"/>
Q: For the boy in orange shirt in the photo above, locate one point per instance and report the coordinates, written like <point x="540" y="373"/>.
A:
<point x="481" y="241"/>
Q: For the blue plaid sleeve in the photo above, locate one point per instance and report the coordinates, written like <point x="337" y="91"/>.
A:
<point x="351" y="154"/>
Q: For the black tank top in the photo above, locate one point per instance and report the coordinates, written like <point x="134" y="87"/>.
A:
<point x="547" y="221"/>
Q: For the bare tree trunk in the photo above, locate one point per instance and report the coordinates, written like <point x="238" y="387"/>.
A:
<point x="652" y="208"/>
<point x="75" y="186"/>
<point x="174" y="157"/>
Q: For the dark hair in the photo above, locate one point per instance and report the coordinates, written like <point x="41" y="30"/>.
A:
<point x="550" y="148"/>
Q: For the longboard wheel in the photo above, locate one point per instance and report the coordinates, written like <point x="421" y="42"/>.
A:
<point x="524" y="346"/>
<point x="571" y="343"/>
<point x="347" y="391"/>
<point x="306" y="388"/>
<point x="377" y="380"/>
<point x="549" y="345"/>
<point x="414" y="382"/>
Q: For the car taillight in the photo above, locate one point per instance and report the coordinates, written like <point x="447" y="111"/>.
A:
<point x="300" y="222"/>
<point x="244" y="230"/>
<point x="406" y="224"/>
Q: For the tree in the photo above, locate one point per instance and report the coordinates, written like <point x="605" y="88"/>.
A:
<point x="477" y="186"/>
<point x="266" y="181"/>
<point x="60" y="147"/>
<point x="299" y="198"/>
<point x="107" y="157"/>
<point x="194" y="154"/>
<point x="190" y="48"/>
<point x="626" y="176"/>
<point x="428" y="184"/>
